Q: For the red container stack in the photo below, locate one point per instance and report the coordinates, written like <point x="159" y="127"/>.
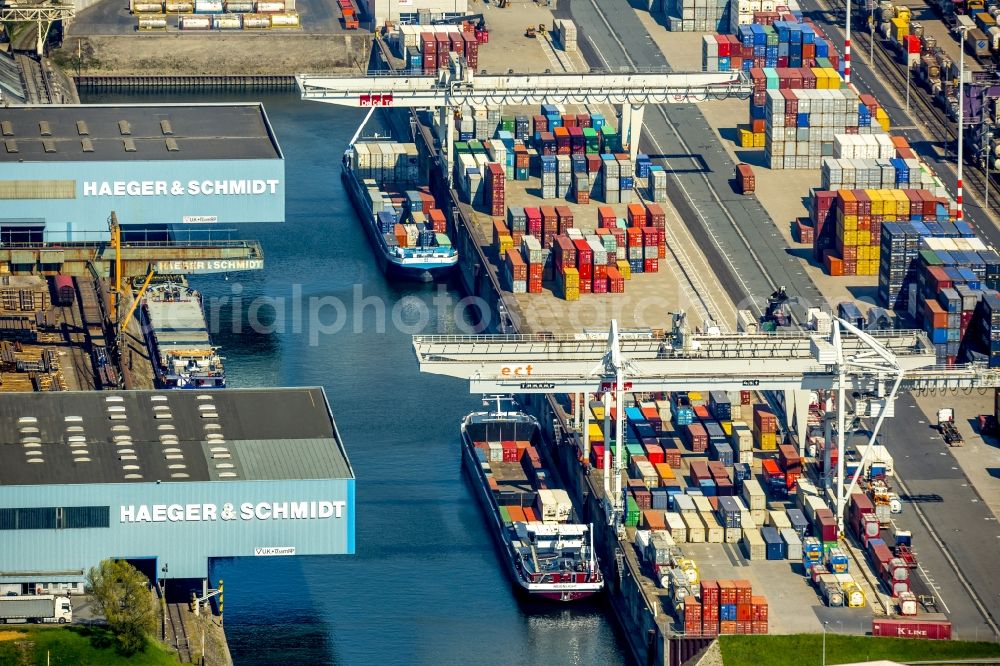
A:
<point x="495" y="178"/>
<point x="565" y="217"/>
<point x="428" y="47"/>
<point x="585" y="264"/>
<point x="471" y="49"/>
<point x="443" y="46"/>
<point x="606" y="217"/>
<point x="696" y="436"/>
<point x="550" y="225"/>
<point x="534" y="216"/>
<point x="616" y="283"/>
<point x="656" y="218"/>
<point x="438" y="220"/>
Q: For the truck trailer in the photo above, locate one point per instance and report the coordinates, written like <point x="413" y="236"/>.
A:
<point x="36" y="608"/>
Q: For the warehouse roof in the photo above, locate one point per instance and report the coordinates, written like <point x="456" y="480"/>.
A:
<point x="136" y="132"/>
<point x="170" y="435"/>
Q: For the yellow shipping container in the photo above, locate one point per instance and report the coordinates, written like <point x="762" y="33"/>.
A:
<point x="597" y="411"/>
<point x="902" y="203"/>
<point x="850" y="238"/>
<point x="862" y="268"/>
<point x="767" y="441"/>
<point x="873" y="266"/>
<point x="833" y="79"/>
<point x="572" y="295"/>
<point x="506" y="243"/>
<point x="864" y="238"/>
<point x="759" y="140"/>
<point x="850" y="222"/>
<point x="874" y="253"/>
<point x="596" y="436"/>
<point x="727" y="427"/>
<point x="745" y="138"/>
<point x="876" y="197"/>
<point x="883" y="118"/>
<point x="820" y="75"/>
<point x="862" y="253"/>
<point x="900" y="29"/>
<point x="695" y="396"/>
<point x="664" y="471"/>
<point x="625" y="269"/>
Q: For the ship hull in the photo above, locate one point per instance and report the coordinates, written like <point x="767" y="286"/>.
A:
<point x="556" y="592"/>
<point x="393" y="267"/>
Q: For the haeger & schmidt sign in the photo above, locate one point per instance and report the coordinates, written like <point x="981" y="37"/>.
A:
<point x="199" y="513"/>
<point x="156" y="188"/>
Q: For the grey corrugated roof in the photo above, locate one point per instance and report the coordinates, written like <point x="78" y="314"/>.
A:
<point x="200" y="131"/>
<point x="273" y="427"/>
<point x="290" y="459"/>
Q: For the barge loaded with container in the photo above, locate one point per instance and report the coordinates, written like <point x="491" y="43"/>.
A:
<point x="178" y="340"/>
<point x="406" y="229"/>
<point x="548" y="554"/>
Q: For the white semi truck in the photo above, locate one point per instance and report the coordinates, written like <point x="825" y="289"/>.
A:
<point x="36" y="608"/>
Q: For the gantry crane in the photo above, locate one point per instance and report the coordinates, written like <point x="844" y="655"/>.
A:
<point x="458" y="85"/>
<point x="42" y="14"/>
<point x="877" y="363"/>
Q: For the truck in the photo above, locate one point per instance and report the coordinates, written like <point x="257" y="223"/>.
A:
<point x="946" y="426"/>
<point x="36" y="608"/>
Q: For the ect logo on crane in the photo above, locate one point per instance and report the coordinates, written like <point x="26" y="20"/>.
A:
<point x="375" y="100"/>
<point x="613" y="386"/>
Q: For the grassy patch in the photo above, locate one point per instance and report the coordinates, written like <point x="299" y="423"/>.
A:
<point x="85" y="646"/>
<point x="799" y="649"/>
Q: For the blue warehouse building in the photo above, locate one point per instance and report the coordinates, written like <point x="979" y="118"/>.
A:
<point x="167" y="480"/>
<point x="63" y="169"/>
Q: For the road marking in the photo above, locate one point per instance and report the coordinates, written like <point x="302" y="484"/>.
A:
<point x="679" y="182"/>
<point x="951" y="561"/>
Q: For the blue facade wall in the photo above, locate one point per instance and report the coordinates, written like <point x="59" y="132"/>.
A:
<point x="184" y="546"/>
<point x="148" y="192"/>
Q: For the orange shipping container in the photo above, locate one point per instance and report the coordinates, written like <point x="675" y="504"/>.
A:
<point x="664" y="471"/>
<point x="653" y="519"/>
<point x="834" y="265"/>
<point x="529" y="515"/>
<point x="516" y="514"/>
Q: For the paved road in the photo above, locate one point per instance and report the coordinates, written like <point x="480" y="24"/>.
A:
<point x="736" y="232"/>
<point x="739" y="236"/>
<point x="936" y="487"/>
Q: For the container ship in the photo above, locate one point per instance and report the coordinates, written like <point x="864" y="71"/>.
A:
<point x="548" y="554"/>
<point x="178" y="340"/>
<point x="406" y="229"/>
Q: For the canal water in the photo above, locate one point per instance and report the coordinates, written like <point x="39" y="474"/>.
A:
<point x="426" y="585"/>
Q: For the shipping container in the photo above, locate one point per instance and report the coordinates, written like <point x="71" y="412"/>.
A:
<point x="194" y="23"/>
<point x="924" y="628"/>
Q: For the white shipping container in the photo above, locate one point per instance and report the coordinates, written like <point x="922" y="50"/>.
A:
<point x="148" y="8"/>
<point x="152" y="23"/>
<point x="676" y="526"/>
<point x="753" y="495"/>
<point x="714" y="532"/>
<point x="696" y="528"/>
<point x="753" y="545"/>
<point x="701" y="504"/>
<point x="778" y="519"/>
<point x="793" y="544"/>
<point x="227" y="22"/>
<point x="194" y="23"/>
<point x="207" y="6"/>
<point x="179" y="7"/>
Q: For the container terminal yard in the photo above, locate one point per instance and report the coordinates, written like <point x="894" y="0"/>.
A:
<point x="554" y="312"/>
<point x="742" y="305"/>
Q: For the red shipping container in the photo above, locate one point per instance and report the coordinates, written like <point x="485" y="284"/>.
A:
<point x="759" y="608"/>
<point x="616" y="283"/>
<point x="727" y="592"/>
<point x="699" y="471"/>
<point x="565" y="217"/>
<point x="534" y="285"/>
<point x="605" y="217"/>
<point x="456" y="43"/>
<point x="710" y="592"/>
<point x="936" y="629"/>
<point x="651" y="265"/>
<point x="744" y="612"/>
<point x="743" y="591"/>
<point x="758" y="627"/>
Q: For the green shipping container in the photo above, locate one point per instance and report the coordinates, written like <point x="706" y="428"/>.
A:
<point x="930" y="258"/>
<point x="476" y="146"/>
<point x="442" y="240"/>
<point x="461" y="147"/>
<point x="631" y="512"/>
<point x="504" y="515"/>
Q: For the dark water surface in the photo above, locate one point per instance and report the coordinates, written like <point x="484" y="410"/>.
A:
<point x="426" y="585"/>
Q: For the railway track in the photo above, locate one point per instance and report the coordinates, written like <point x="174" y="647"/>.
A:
<point x="932" y="121"/>
<point x="176" y="628"/>
<point x="36" y="82"/>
